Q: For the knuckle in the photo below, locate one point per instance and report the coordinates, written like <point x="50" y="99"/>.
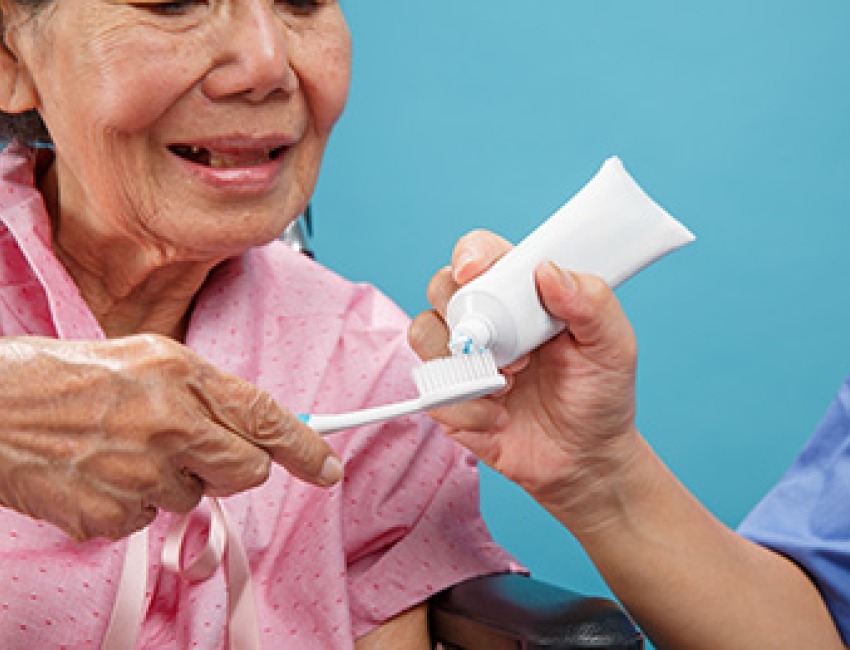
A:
<point x="132" y="470"/>
<point x="260" y="472"/>
<point x="142" y="520"/>
<point x="246" y="476"/>
<point x="289" y="434"/>
<point x="426" y="333"/>
<point x="162" y="356"/>
<point x="416" y="331"/>
<point x="106" y="518"/>
<point x="440" y="287"/>
<point x="153" y="346"/>
<point x="267" y="417"/>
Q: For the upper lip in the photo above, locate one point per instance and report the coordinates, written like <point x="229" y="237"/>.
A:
<point x="238" y="143"/>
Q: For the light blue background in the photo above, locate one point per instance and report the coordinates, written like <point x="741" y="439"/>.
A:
<point x="733" y="114"/>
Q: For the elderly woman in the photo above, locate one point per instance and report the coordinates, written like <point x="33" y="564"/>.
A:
<point x="155" y="340"/>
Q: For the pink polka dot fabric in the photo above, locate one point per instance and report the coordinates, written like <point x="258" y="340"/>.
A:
<point x="327" y="565"/>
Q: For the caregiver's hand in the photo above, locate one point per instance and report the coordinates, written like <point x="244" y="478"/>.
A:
<point x="565" y="424"/>
<point x="95" y="436"/>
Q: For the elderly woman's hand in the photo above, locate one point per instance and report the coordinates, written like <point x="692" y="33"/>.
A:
<point x="566" y="421"/>
<point x="95" y="436"/>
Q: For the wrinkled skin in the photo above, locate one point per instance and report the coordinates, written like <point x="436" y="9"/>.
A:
<point x="95" y="436"/>
<point x="119" y="428"/>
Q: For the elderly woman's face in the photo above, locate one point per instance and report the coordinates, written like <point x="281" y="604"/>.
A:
<point x="197" y="126"/>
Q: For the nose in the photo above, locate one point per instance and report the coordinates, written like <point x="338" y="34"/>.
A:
<point x="253" y="58"/>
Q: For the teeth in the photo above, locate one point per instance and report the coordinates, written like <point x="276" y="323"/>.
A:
<point x="225" y="160"/>
<point x="221" y="160"/>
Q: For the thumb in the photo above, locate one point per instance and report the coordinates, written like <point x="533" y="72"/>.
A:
<point x="586" y="304"/>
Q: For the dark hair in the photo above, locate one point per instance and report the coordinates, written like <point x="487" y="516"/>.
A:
<point x="25" y="127"/>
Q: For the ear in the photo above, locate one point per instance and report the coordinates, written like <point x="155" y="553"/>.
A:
<point x="17" y="90"/>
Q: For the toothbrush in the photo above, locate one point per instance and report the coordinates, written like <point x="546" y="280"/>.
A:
<point x="440" y="382"/>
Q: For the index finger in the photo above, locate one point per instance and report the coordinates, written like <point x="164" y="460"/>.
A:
<point x="476" y="252"/>
<point x="253" y="414"/>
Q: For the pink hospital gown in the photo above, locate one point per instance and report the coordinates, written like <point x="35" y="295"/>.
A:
<point x="327" y="566"/>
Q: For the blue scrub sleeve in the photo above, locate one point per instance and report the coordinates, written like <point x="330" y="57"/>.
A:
<point x="806" y="516"/>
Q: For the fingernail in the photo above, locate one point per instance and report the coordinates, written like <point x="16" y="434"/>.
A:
<point x="568" y="282"/>
<point x="331" y="471"/>
<point x="463" y="260"/>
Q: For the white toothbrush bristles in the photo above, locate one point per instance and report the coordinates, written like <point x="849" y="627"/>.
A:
<point x="465" y="375"/>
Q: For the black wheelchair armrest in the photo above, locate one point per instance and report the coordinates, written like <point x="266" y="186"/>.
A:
<point x="514" y="611"/>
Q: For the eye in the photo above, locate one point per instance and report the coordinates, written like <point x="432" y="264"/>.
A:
<point x="304" y="6"/>
<point x="178" y="8"/>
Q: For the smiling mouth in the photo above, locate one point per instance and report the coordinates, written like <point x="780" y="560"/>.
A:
<point x="226" y="159"/>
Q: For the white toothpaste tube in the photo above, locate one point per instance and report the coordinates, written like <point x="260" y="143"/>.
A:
<point x="610" y="228"/>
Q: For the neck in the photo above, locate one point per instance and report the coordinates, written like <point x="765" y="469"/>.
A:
<point x="154" y="300"/>
<point x="131" y="288"/>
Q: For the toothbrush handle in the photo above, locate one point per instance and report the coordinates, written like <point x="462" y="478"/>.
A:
<point x="339" y="421"/>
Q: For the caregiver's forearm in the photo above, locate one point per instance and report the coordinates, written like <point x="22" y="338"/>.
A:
<point x="691" y="582"/>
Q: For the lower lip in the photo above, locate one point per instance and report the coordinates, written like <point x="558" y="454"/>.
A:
<point x="254" y="179"/>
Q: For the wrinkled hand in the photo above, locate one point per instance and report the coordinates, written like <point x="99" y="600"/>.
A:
<point x="565" y="423"/>
<point x="96" y="436"/>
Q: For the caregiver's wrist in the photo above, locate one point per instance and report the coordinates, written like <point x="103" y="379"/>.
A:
<point x="599" y="491"/>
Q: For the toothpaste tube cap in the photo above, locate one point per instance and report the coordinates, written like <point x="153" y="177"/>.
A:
<point x="472" y="334"/>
